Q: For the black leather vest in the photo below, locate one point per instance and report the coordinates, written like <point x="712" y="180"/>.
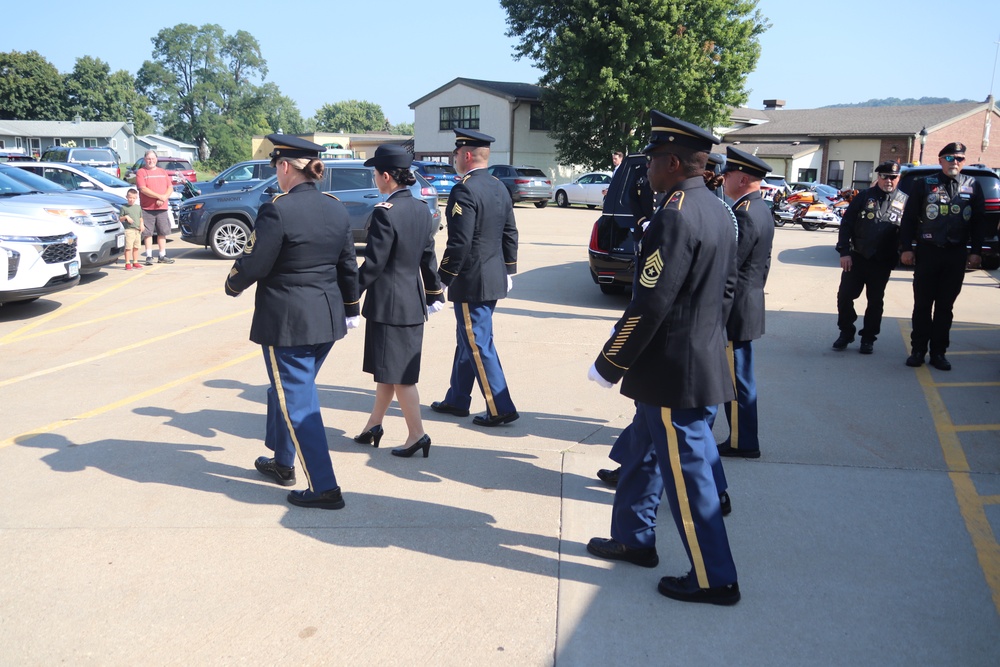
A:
<point x="945" y="216"/>
<point x="876" y="220"/>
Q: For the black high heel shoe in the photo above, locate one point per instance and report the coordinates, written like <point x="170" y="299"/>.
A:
<point x="371" y="436"/>
<point x="423" y="443"/>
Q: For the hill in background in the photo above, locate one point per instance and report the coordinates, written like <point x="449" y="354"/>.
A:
<point x="896" y="102"/>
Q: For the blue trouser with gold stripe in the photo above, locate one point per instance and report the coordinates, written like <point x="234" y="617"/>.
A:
<point x="682" y="443"/>
<point x="742" y="427"/>
<point x="294" y="424"/>
<point x="476" y="360"/>
<point x="622" y="448"/>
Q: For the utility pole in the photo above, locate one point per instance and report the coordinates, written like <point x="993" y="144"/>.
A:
<point x="989" y="100"/>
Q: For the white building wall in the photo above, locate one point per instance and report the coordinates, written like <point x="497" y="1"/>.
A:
<point x="855" y="150"/>
<point x="493" y="119"/>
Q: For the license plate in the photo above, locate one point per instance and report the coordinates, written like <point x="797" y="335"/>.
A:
<point x="120" y="240"/>
<point x="73" y="269"/>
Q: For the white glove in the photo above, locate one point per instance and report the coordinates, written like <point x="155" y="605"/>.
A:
<point x="353" y="322"/>
<point x="592" y="374"/>
<point x="510" y="283"/>
<point x="613" y="331"/>
<point x="435" y="307"/>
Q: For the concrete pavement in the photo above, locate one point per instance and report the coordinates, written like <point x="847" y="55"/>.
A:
<point x="134" y="530"/>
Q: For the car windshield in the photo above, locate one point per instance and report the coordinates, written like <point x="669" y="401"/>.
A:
<point x="431" y="169"/>
<point x="10" y="186"/>
<point x="530" y="171"/>
<point x="33" y="180"/>
<point x="827" y="190"/>
<point x="173" y="165"/>
<point x="92" y="156"/>
<point x="102" y="177"/>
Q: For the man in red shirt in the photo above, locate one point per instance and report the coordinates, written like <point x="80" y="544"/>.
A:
<point x="154" y="185"/>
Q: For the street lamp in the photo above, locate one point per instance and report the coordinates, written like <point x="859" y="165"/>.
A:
<point x="923" y="142"/>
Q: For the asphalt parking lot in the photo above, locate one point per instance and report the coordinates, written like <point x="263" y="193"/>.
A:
<point x="134" y="529"/>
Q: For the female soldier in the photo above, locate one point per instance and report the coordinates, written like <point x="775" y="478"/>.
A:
<point x="301" y="255"/>
<point x="400" y="250"/>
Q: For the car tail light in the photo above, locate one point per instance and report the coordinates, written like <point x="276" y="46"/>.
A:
<point x="595" y="243"/>
<point x="522" y="181"/>
<point x="429" y="191"/>
<point x="993" y="204"/>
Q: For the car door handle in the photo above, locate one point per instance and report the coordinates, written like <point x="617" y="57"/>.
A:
<point x="372" y="196"/>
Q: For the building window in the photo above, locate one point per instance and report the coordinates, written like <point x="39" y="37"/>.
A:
<point x="17" y="144"/>
<point x="90" y="143"/>
<point x="114" y="143"/>
<point x="36" y="146"/>
<point x="538" y="118"/>
<point x="2" y="144"/>
<point x="862" y="175"/>
<point x="57" y="141"/>
<point x="835" y="174"/>
<point x="807" y="176"/>
<point x="463" y="118"/>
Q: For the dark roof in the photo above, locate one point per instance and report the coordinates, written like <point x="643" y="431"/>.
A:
<point x="511" y="90"/>
<point x="858" y="121"/>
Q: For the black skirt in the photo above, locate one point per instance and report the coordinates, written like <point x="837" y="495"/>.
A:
<point x="392" y="352"/>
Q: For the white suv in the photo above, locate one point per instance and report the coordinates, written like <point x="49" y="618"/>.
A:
<point x="100" y="236"/>
<point x="38" y="256"/>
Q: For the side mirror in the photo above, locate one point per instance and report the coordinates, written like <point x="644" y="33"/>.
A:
<point x="85" y="185"/>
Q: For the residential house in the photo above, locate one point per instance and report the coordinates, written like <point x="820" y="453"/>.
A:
<point x="166" y="147"/>
<point x="510" y="112"/>
<point x="842" y="146"/>
<point x="32" y="137"/>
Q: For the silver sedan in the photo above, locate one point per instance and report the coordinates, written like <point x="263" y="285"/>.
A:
<point x="588" y="189"/>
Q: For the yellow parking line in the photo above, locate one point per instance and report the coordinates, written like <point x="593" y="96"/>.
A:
<point x="990" y="500"/>
<point x="969" y="353"/>
<point x="976" y="427"/>
<point x="970" y="503"/>
<point x="126" y="348"/>
<point x="124" y="313"/>
<point x="14" y="335"/>
<point x="48" y="428"/>
<point x="967" y="384"/>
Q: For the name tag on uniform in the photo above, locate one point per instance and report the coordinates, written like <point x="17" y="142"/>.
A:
<point x="967" y="189"/>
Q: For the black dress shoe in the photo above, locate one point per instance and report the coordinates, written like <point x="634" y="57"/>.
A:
<point x="371" y="436"/>
<point x="445" y="408"/>
<point x="423" y="443"/>
<point x="487" y="420"/>
<point x="331" y="499"/>
<point x="285" y="476"/>
<point x="726" y="450"/>
<point x="867" y="347"/>
<point x="609" y="477"/>
<point x="842" y="342"/>
<point x="727" y="504"/>
<point x="612" y="550"/>
<point x="939" y="362"/>
<point x="915" y="360"/>
<point x="686" y="589"/>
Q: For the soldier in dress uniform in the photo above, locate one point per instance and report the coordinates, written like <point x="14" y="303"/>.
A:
<point x="400" y="282"/>
<point x="869" y="249"/>
<point x="743" y="175"/>
<point x="478" y="261"/>
<point x="301" y="255"/>
<point x="669" y="350"/>
<point x="945" y="213"/>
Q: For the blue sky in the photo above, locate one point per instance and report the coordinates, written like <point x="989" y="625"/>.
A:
<point x="813" y="55"/>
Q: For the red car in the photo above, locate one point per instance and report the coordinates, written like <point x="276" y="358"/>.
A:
<point x="178" y="167"/>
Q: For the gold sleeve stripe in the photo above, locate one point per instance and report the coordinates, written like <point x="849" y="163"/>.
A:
<point x="613" y="363"/>
<point x="448" y="272"/>
<point x="437" y="291"/>
<point x="351" y="303"/>
<point x="622" y="336"/>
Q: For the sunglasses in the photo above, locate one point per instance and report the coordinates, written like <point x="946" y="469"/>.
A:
<point x="954" y="158"/>
<point x="888" y="177"/>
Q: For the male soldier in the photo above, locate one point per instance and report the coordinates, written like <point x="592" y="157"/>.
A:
<point x="478" y="261"/>
<point x="743" y="176"/>
<point x="670" y="351"/>
<point x="868" y="246"/>
<point x="945" y="213"/>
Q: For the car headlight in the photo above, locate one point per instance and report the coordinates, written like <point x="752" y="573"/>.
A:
<point x="77" y="215"/>
<point x="193" y="207"/>
<point x="13" y="238"/>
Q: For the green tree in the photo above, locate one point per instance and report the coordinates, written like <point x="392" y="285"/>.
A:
<point x="352" y="116"/>
<point x="30" y="87"/>
<point x="94" y="93"/>
<point x="402" y="128"/>
<point x="606" y="63"/>
<point x="202" y="83"/>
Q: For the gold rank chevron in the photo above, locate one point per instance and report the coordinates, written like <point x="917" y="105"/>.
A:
<point x="651" y="270"/>
<point x="456" y="209"/>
